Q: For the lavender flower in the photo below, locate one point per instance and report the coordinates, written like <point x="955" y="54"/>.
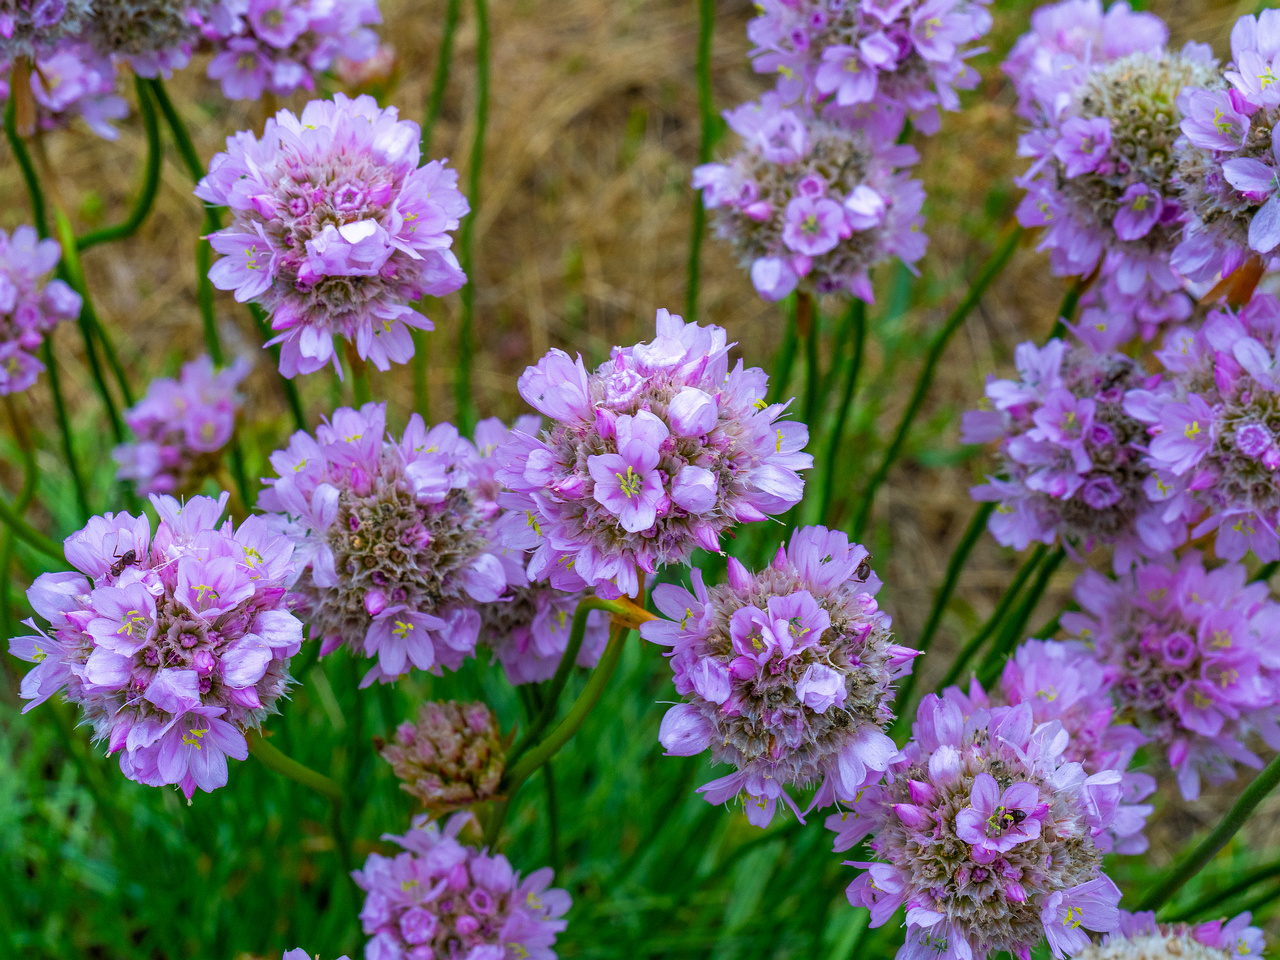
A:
<point x="1191" y="657"/>
<point x="985" y="864"/>
<point x="71" y="82"/>
<point x="442" y="899"/>
<point x="297" y="953"/>
<point x="155" y="36"/>
<point x="787" y="674"/>
<point x="182" y="426"/>
<point x="1213" y="447"/>
<point x="452" y="757"/>
<point x="392" y="537"/>
<point x="173" y="645"/>
<point x="871" y="63"/>
<point x="280" y="45"/>
<point x="1139" y="937"/>
<point x="30" y="28"/>
<point x="29" y="307"/>
<point x="336" y="230"/>
<point x="1072" y="459"/>
<point x="658" y="452"/>
<point x="810" y="204"/>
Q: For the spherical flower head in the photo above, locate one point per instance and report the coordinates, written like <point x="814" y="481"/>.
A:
<point x="30" y="307"/>
<point x="452" y="757"/>
<point x="809" y="204"/>
<point x="1072" y="465"/>
<point x="1189" y="653"/>
<point x="335" y="230"/>
<point x="1141" y="938"/>
<point x="1213" y="446"/>
<point x="986" y="833"/>
<point x="393" y="539"/>
<point x="1227" y="161"/>
<point x="182" y="427"/>
<point x="174" y="645"/>
<point x="786" y="674"/>
<point x="155" y="36"/>
<point x="658" y="452"/>
<point x="871" y="64"/>
<point x="1103" y="175"/>
<point x="441" y="898"/>
<point x="279" y="46"/>
<point x="32" y="27"/>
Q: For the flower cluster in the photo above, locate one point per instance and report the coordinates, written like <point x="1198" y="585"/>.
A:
<point x="71" y="82"/>
<point x="808" y="203"/>
<point x="1072" y="459"/>
<point x="30" y="29"/>
<point x="441" y="899"/>
<point x="336" y="230"/>
<point x="871" y="63"/>
<point x="1228" y="162"/>
<point x="1065" y="681"/>
<point x="155" y="36"/>
<point x="29" y="307"/>
<point x="1102" y="143"/>
<point x="659" y="451"/>
<point x="452" y="757"/>
<point x="1214" y="446"/>
<point x="393" y="540"/>
<point x="1139" y="937"/>
<point x="787" y="674"/>
<point x="280" y="45"/>
<point x="1191" y="657"/>
<point x="174" y="645"/>
<point x="986" y="833"/>
<point x="182" y="426"/>
<point x="297" y="953"/>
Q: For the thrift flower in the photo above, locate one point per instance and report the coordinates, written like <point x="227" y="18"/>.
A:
<point x="393" y="542"/>
<point x="30" y="307"/>
<point x="336" y="230"/>
<point x="174" y="645"/>
<point x="71" y="82"/>
<point x="660" y="451"/>
<point x="155" y="36"/>
<point x="182" y="426"/>
<point x="443" y="899"/>
<point x="787" y="674"/>
<point x="31" y="28"/>
<point x="1191" y="657"/>
<point x="452" y="757"/>
<point x="985" y="864"/>
<point x="1141" y="938"/>
<point x="808" y="204"/>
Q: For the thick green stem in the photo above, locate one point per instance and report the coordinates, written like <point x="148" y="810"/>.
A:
<point x="812" y="360"/>
<point x="440" y="81"/>
<point x="150" y="178"/>
<point x="706" y="140"/>
<point x="64" y="428"/>
<point x="1208" y="848"/>
<point x="271" y="758"/>
<point x="990" y="270"/>
<point x="786" y="354"/>
<point x="858" y="317"/>
<point x="1210" y="901"/>
<point x="1067" y="312"/>
<point x="1013" y="628"/>
<point x="23" y="156"/>
<point x="997" y="615"/>
<point x="954" y="567"/>
<point x="361" y="392"/>
<point x="466" y="320"/>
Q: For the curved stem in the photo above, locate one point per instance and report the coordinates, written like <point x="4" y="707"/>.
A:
<point x="462" y="385"/>
<point x="276" y="761"/>
<point x="1011" y="632"/>
<point x="997" y="615"/>
<point x="64" y="427"/>
<point x="150" y="178"/>
<point x="1234" y="819"/>
<point x="858" y="317"/>
<point x="954" y="566"/>
<point x="706" y="139"/>
<point x="23" y="156"/>
<point x="990" y="270"/>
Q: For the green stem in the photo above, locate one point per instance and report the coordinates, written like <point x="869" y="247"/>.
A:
<point x="997" y="615"/>
<point x="1234" y="819"/>
<point x="1265" y="571"/>
<point x="990" y="270"/>
<point x="1208" y="902"/>
<point x="287" y="385"/>
<point x="1261" y="900"/>
<point x="813" y="367"/>
<point x="361" y="392"/>
<point x="1067" y="312"/>
<point x="421" y="384"/>
<point x="23" y="156"/>
<point x="786" y="354"/>
<point x="462" y="385"/>
<point x="64" y="429"/>
<point x="858" y="316"/>
<point x="12" y="521"/>
<point x="954" y="567"/>
<point x="441" y="79"/>
<point x="271" y="758"/>
<point x="181" y="138"/>
<point x="706" y="123"/>
<point x="150" y="178"/>
<point x="1012" y="630"/>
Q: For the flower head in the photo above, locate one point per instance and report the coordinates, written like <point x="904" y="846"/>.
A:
<point x="73" y="81"/>
<point x="807" y="203"/>
<point x="174" y="645"/>
<point x="29" y="29"/>
<point x="1190" y="656"/>
<point x="1139" y="937"/>
<point x="658" y="452"/>
<point x="986" y="832"/>
<point x="182" y="426"/>
<point x="155" y="36"/>
<point x="443" y="899"/>
<point x="786" y="674"/>
<point x="336" y="230"/>
<point x="29" y="307"/>
<point x="393" y="539"/>
<point x="452" y="757"/>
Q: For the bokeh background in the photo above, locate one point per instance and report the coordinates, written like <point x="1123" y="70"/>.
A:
<point x="582" y="232"/>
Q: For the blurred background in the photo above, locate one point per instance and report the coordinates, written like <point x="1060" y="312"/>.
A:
<point x="582" y="232"/>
